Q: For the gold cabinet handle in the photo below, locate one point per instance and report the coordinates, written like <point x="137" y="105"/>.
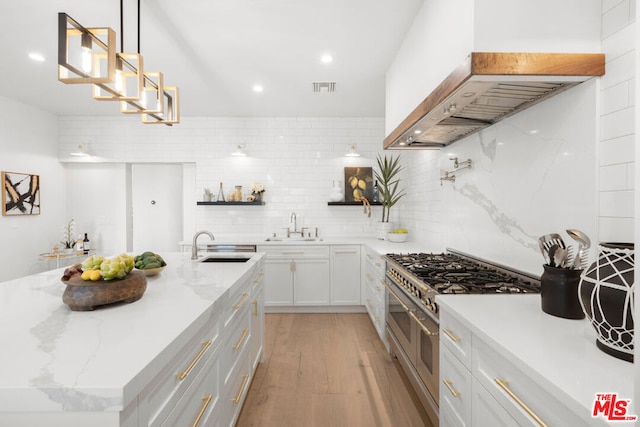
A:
<point x="377" y="319"/>
<point x="259" y="278"/>
<point x="236" y="399"/>
<point x="448" y="332"/>
<point x="449" y="385"/>
<point x="255" y="308"/>
<point x="245" y="332"/>
<point x="182" y="375"/>
<point x="504" y="385"/>
<point x="369" y="278"/>
<point x="369" y="304"/>
<point x="205" y="402"/>
<point x="241" y="302"/>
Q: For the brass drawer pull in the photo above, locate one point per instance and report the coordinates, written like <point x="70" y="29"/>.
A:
<point x="504" y="385"/>
<point x="245" y="332"/>
<point x="182" y="375"/>
<point x="449" y="385"/>
<point x="255" y="308"/>
<point x="259" y="278"/>
<point x="205" y="402"/>
<point x="239" y="304"/>
<point x="236" y="399"/>
<point x="448" y="332"/>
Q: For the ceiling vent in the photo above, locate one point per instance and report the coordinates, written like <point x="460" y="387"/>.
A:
<point x="324" y="87"/>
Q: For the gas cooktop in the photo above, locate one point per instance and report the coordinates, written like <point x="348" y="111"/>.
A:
<point x="448" y="273"/>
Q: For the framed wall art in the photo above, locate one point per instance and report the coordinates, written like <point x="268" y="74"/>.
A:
<point x="358" y="182"/>
<point x="20" y="194"/>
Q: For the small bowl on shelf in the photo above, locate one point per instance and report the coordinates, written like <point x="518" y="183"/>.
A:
<point x="397" y="237"/>
<point x="152" y="271"/>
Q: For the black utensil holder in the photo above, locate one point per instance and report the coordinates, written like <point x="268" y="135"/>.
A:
<point x="559" y="292"/>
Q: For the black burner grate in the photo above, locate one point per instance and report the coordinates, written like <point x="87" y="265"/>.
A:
<point x="452" y="274"/>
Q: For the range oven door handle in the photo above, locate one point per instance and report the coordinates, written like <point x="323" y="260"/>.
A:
<point x="409" y="311"/>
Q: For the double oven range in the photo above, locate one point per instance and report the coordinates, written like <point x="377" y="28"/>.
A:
<point x="412" y="282"/>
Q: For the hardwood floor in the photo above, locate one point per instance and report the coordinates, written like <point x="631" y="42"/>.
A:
<point x="326" y="370"/>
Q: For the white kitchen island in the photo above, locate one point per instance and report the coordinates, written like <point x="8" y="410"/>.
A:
<point x="551" y="364"/>
<point x="119" y="365"/>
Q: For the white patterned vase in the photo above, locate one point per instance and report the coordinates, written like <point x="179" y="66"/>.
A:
<point x="606" y="296"/>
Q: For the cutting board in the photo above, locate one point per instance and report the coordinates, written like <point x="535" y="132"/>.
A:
<point x="83" y="295"/>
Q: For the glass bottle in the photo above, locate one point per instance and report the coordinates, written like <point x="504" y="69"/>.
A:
<point x="376" y="192"/>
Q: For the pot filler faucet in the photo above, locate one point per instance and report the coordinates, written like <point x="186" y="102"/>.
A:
<point x="194" y="248"/>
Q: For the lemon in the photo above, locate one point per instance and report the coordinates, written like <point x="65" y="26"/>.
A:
<point x="95" y="275"/>
<point x="86" y="275"/>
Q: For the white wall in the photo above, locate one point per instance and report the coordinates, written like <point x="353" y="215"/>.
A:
<point x="296" y="159"/>
<point x="444" y="33"/>
<point x="28" y="144"/>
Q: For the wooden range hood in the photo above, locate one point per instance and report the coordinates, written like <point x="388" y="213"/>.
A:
<point x="486" y="88"/>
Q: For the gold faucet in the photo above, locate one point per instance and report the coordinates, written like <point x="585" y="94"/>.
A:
<point x="194" y="247"/>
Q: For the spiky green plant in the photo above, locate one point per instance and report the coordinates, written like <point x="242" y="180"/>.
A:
<point x="387" y="176"/>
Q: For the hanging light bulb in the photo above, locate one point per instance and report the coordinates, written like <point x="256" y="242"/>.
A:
<point x="118" y="83"/>
<point x="86" y="52"/>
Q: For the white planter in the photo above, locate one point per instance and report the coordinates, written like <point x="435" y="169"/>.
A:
<point x="383" y="228"/>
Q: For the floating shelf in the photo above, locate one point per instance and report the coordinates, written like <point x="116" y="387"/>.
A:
<point x="230" y="203"/>
<point x="352" y="203"/>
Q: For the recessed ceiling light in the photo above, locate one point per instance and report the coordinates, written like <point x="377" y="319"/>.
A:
<point x="36" y="56"/>
<point x="326" y="58"/>
<point x="258" y="88"/>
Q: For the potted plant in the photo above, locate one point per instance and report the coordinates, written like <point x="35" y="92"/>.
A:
<point x="390" y="194"/>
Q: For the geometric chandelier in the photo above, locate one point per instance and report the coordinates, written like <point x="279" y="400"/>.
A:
<point x="88" y="56"/>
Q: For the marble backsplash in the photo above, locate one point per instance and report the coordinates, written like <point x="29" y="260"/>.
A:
<point x="531" y="174"/>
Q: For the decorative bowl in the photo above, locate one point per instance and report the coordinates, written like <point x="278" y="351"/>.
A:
<point x="152" y="271"/>
<point x="84" y="295"/>
<point x="397" y="237"/>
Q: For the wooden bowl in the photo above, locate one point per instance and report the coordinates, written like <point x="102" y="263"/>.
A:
<point x="152" y="271"/>
<point x="84" y="295"/>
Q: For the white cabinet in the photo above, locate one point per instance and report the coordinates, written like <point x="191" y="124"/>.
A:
<point x="206" y="382"/>
<point x="345" y="275"/>
<point x="481" y="387"/>
<point x="296" y="275"/>
<point x="374" y="291"/>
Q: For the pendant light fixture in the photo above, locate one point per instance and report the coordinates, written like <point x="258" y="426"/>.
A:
<point x="85" y="55"/>
<point x="88" y="55"/>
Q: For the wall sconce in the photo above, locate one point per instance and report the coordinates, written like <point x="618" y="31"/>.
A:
<point x="352" y="152"/>
<point x="239" y="151"/>
<point x="457" y="166"/>
<point x="81" y="151"/>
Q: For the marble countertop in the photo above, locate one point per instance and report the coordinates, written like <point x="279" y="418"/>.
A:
<point x="55" y="359"/>
<point x="558" y="353"/>
<point x="378" y="245"/>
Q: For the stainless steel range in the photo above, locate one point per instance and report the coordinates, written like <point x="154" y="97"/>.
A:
<point x="413" y="281"/>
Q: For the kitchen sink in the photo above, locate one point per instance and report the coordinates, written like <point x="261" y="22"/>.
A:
<point x="225" y="257"/>
<point x="293" y="239"/>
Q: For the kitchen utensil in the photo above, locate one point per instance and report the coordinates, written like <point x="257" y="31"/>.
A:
<point x="584" y="243"/>
<point x="560" y="257"/>
<point x="554" y="239"/>
<point x="552" y="254"/>
<point x="543" y="249"/>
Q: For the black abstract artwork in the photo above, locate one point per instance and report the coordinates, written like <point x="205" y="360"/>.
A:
<point x="20" y="194"/>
